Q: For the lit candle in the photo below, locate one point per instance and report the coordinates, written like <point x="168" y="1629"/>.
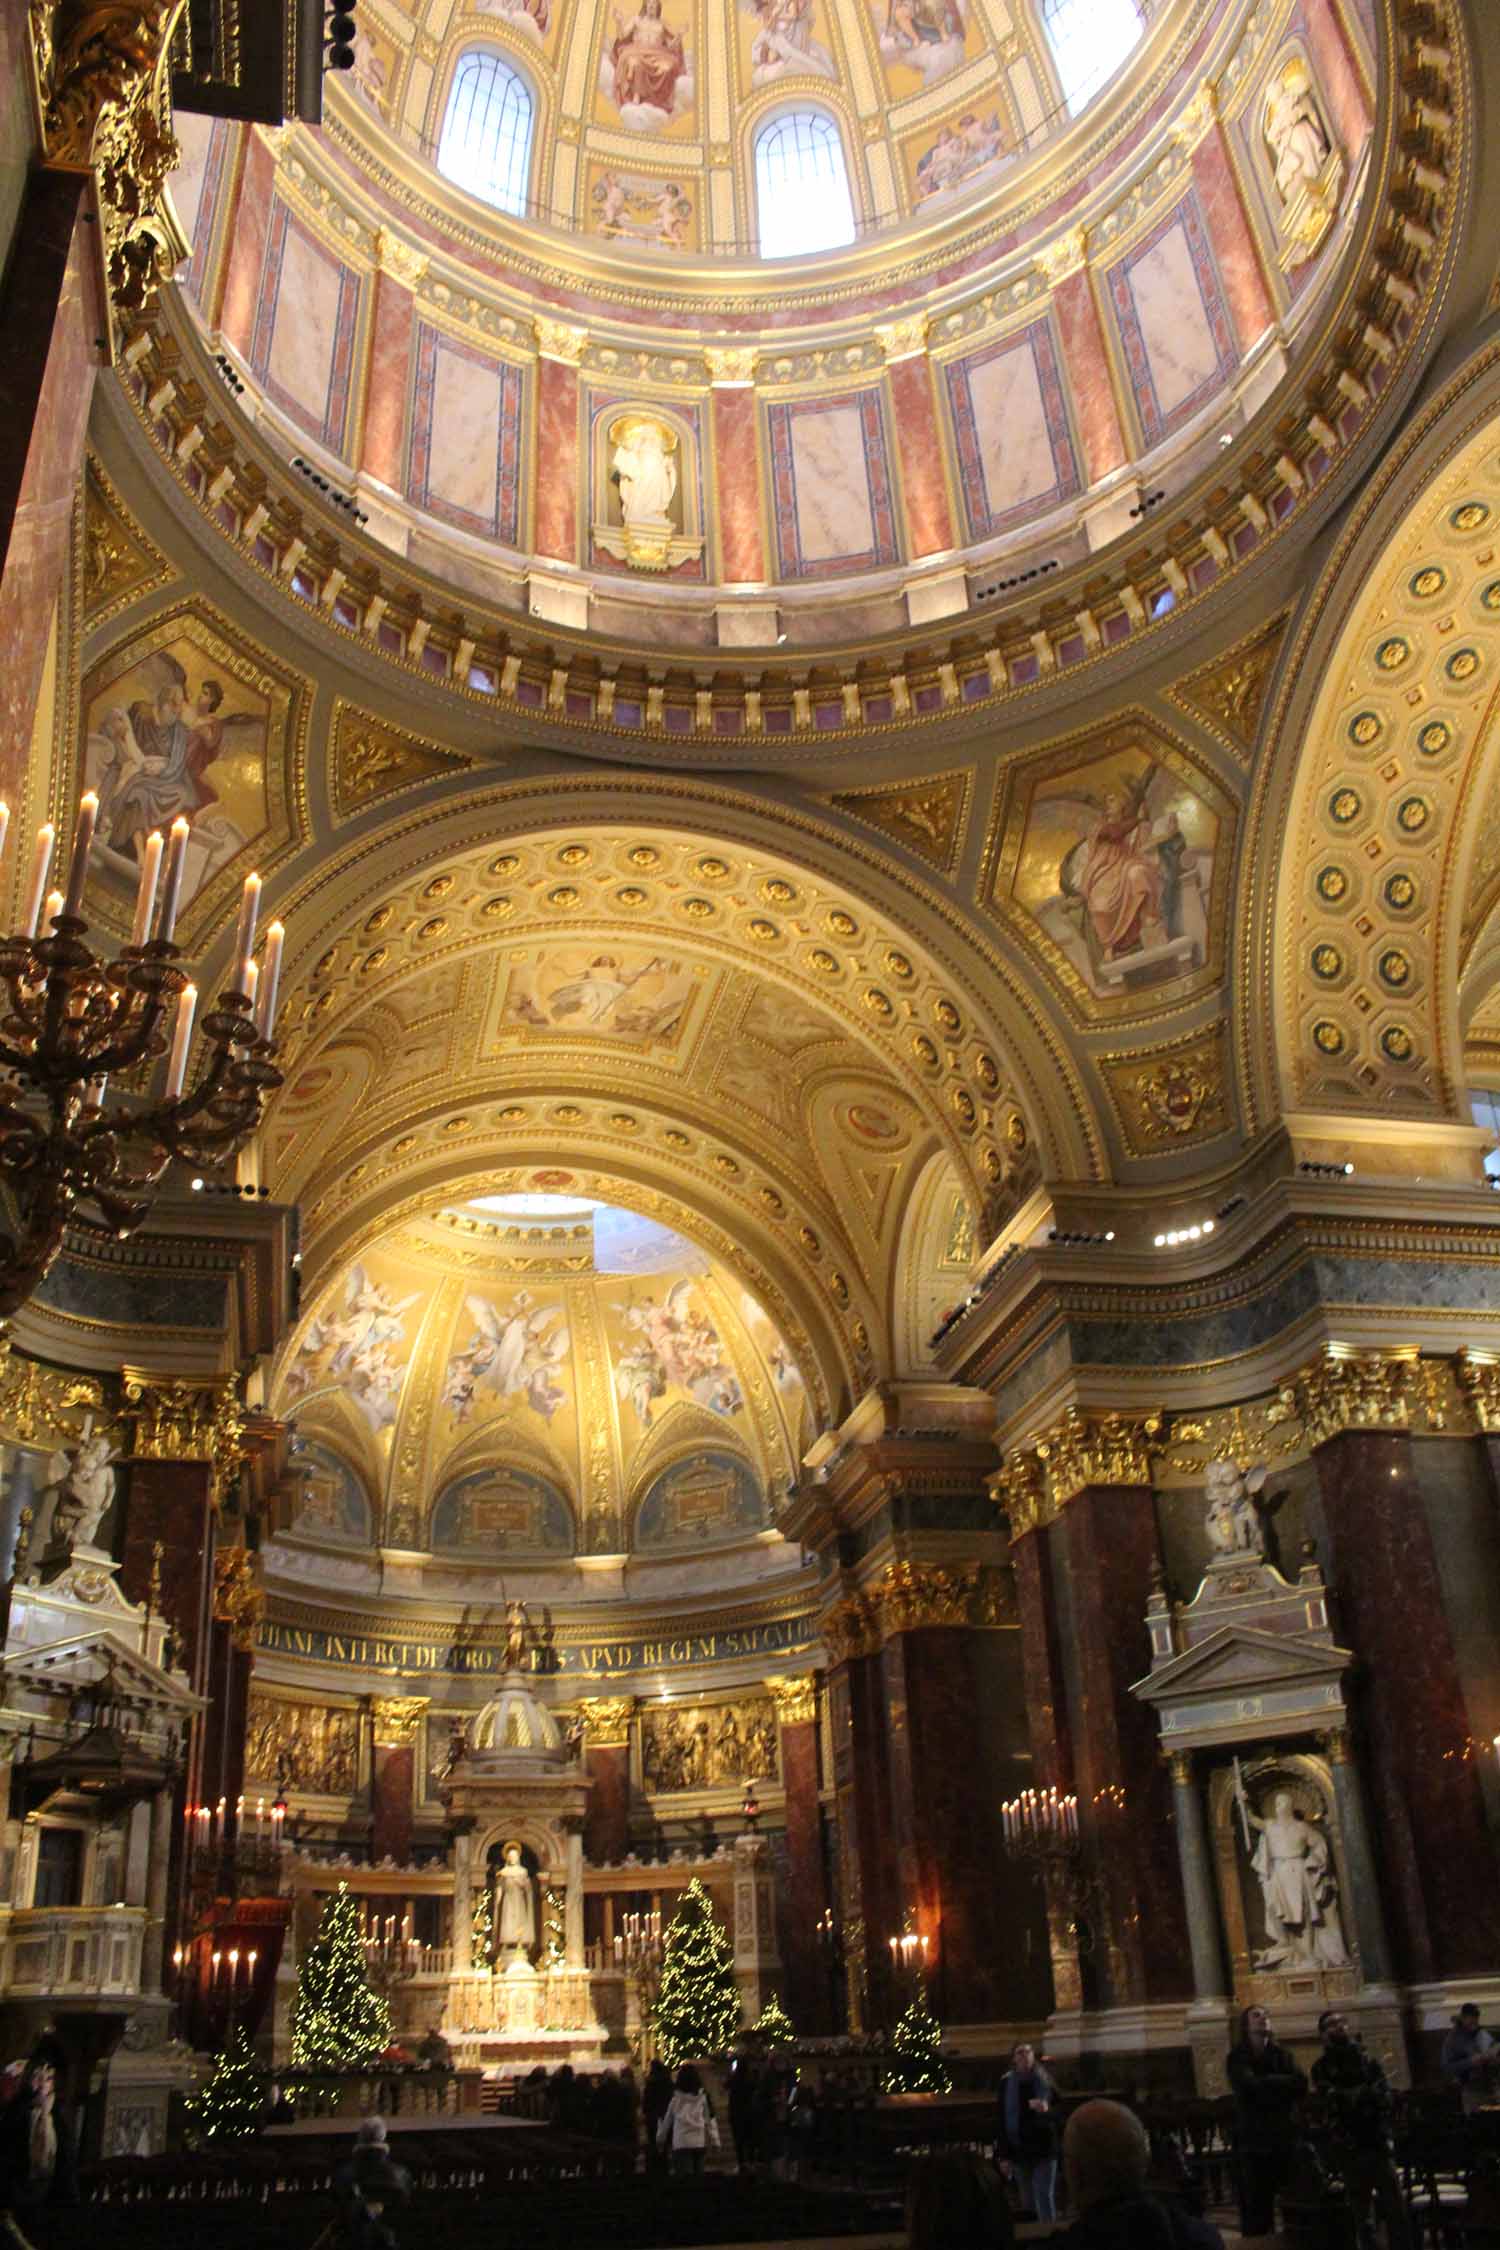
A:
<point x="93" y="1098"/>
<point x="217" y="1960"/>
<point x="260" y="1819"/>
<point x="4" y="822"/>
<point x="40" y="867"/>
<point x="171" y="889"/>
<point x="270" y="981"/>
<point x="83" y="838"/>
<point x="177" y="1958"/>
<point x="250" y="1966"/>
<point x="51" y="910"/>
<point x="182" y="1039"/>
<point x="234" y="1965"/>
<point x="145" y="897"/>
<point x="244" y="935"/>
<point x="249" y="978"/>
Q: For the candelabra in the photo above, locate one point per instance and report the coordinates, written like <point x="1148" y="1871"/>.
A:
<point x="71" y="1020"/>
<point x="909" y="1955"/>
<point x="393" y="1955"/>
<point x="1040" y="1825"/>
<point x="640" y="1950"/>
<point x="1040" y="1828"/>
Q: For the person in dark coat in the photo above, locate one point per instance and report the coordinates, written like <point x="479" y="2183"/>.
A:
<point x="1268" y="2087"/>
<point x="38" y="2139"/>
<point x="1106" y="2158"/>
<point x="1354" y="2097"/>
<point x="744" y="2101"/>
<point x="955" y="2201"/>
<point x="655" y="2102"/>
<point x="1028" y="2132"/>
<point x="364" y="2189"/>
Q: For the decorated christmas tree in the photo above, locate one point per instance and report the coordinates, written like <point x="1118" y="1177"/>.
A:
<point x="231" y="2102"/>
<point x="773" y="2026"/>
<point x="698" y="2001"/>
<point x="340" y="2023"/>
<point x="915" y="2064"/>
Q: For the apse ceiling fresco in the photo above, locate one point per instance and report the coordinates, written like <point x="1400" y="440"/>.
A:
<point x="540" y="1372"/>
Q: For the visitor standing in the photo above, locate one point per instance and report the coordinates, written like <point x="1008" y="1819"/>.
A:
<point x="1470" y="2057"/>
<point x="1355" y="2098"/>
<point x="1106" y="2158"/>
<point x="38" y="2141"/>
<point x="1268" y="2087"/>
<point x="689" y="2127"/>
<point x="1028" y="2131"/>
<point x="655" y="2097"/>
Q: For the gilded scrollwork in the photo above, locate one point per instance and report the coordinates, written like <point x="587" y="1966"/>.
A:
<point x="38" y="1404"/>
<point x="239" y="1597"/>
<point x="182" y="1419"/>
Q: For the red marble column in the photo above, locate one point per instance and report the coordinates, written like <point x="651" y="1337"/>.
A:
<point x="51" y="316"/>
<point x="1089" y="377"/>
<point x="1234" y="242"/>
<point x="1047" y="1726"/>
<point x="556" y="515"/>
<point x="869" y="1893"/>
<point x="168" y="1502"/>
<point x="919" y="445"/>
<point x="1109" y="1535"/>
<point x="387" y="382"/>
<point x="1338" y="74"/>
<point x="1435" y="1852"/>
<point x="247" y="247"/>
<point x="945" y="1831"/>
<point x="606" y="1828"/>
<point x="742" y="554"/>
<point x="805" y="1900"/>
<point x="393" y="1773"/>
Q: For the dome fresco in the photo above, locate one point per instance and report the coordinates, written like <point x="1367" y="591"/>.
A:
<point x="584" y="1380"/>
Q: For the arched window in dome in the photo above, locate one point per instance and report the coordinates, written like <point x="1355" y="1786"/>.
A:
<point x="802" y="196"/>
<point x="1089" y="40"/>
<point x="485" y="144"/>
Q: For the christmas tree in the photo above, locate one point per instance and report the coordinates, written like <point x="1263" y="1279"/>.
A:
<point x="231" y="2102"/>
<point x="773" y="2026"/>
<point x="916" y="2063"/>
<point x="698" y="2001"/>
<point x="340" y="2023"/>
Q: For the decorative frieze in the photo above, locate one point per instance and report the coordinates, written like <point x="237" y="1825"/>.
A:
<point x="606" y="1720"/>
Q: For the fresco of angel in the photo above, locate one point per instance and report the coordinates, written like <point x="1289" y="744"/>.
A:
<point x="514" y="1353"/>
<point x="359" y="1347"/>
<point x="784" y="42"/>
<point x="924" y="35"/>
<point x="674" y="1341"/>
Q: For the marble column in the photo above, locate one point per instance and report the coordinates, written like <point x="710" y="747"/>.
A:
<point x="1230" y="231"/>
<point x="51" y="317"/>
<point x="736" y="485"/>
<point x="392" y="1773"/>
<point x="606" y="1753"/>
<point x="806" y="1898"/>
<point x="867" y="1897"/>
<point x="573" y="1902"/>
<point x="1436" y="1857"/>
<point x="1110" y="1543"/>
<point x="382" y="453"/>
<point x="919" y="448"/>
<point x="555" y="520"/>
<point x="157" y="1900"/>
<point x="1047" y="1727"/>
<point x="1088" y="371"/>
<point x="1359" y="1858"/>
<point x="1205" y="1939"/>
<point x="463" y="1902"/>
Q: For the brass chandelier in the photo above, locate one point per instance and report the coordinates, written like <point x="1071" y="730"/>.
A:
<point x="71" y="1020"/>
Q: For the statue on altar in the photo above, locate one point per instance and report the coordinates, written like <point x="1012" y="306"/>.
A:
<point x="1293" y="1863"/>
<point x="1233" y="1522"/>
<point x="517" y="1636"/>
<point x="80" y="1487"/>
<point x="516" y="1907"/>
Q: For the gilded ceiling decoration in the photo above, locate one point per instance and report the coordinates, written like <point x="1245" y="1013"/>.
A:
<point x="370" y="759"/>
<point x="1230" y="692"/>
<point x="1173" y="1096"/>
<point x="120" y="563"/>
<point x="929" y="817"/>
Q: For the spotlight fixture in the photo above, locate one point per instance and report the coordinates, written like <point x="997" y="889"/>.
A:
<point x="1175" y="1237"/>
<point x="1321" y="1171"/>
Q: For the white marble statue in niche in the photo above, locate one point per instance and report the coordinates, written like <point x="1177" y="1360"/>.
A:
<point x="1233" y="1520"/>
<point x="515" y="1903"/>
<point x="1305" y="165"/>
<point x="80" y="1487"/>
<point x="1292" y="1860"/>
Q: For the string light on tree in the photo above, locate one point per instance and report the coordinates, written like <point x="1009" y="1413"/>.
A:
<point x="339" y="2022"/>
<point x="916" y="2064"/>
<point x="230" y="2105"/>
<point x="697" y="2007"/>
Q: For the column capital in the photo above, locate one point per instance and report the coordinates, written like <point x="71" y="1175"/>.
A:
<point x="400" y="259"/>
<point x="560" y="340"/>
<point x="1197" y="117"/>
<point x="796" y="1700"/>
<point x="902" y="339"/>
<point x="396" y="1718"/>
<point x="1338" y="1746"/>
<point x="1479" y="1379"/>
<point x="1069" y="254"/>
<point x="909" y="1596"/>
<point x="1358" y="1390"/>
<point x="730" y="366"/>
<point x="239" y="1597"/>
<point x="606" y="1720"/>
<point x="1180" y="1767"/>
<point x="1080" y="1449"/>
<point x="39" y="1405"/>
<point x="188" y="1418"/>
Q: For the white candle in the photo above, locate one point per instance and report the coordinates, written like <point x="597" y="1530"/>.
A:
<point x="145" y="897"/>
<point x="40" y="866"/>
<point x="51" y="910"/>
<point x="172" y="882"/>
<point x="270" y="980"/>
<point x="249" y="978"/>
<point x="4" y="822"/>
<point x="94" y="1093"/>
<point x="182" y="1036"/>
<point x="244" y="935"/>
<point x="83" y="838"/>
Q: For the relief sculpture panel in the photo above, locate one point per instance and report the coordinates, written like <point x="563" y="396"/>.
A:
<point x="301" y="1746"/>
<point x="708" y="1746"/>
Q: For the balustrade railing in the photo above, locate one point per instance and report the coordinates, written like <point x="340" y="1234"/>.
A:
<point x="73" y="1951"/>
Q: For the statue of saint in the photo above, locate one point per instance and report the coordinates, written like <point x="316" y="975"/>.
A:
<point x="517" y="1636"/>
<point x="1294" y="131"/>
<point x="644" y="467"/>
<point x="1233" y="1521"/>
<point x="1294" y="1867"/>
<point x="516" y="1903"/>
<point x="81" y="1485"/>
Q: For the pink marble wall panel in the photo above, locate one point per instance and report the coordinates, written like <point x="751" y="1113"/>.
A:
<point x="213" y="186"/>
<point x="1173" y="321"/>
<point x="919" y="446"/>
<point x="742" y="554"/>
<point x="464" y="464"/>
<point x="247" y="246"/>
<point x="831" y="498"/>
<point x="556" y="520"/>
<point x="392" y="322"/>
<point x="50" y="316"/>
<point x="305" y="324"/>
<point x="1016" y="454"/>
<point x="1233" y="242"/>
<point x="1343" y="87"/>
<point x="1089" y="381"/>
<point x="195" y="138"/>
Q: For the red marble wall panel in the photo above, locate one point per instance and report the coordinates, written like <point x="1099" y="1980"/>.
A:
<point x="806" y="1895"/>
<point x="1046" y="1699"/>
<point x="50" y="316"/>
<point x="606" y="1831"/>
<point x="919" y="448"/>
<point x="247" y="248"/>
<point x="390" y="1800"/>
<point x="742" y="553"/>
<point x="383" y="447"/>
<point x="556" y="533"/>
<point x="1343" y="87"/>
<point x="1428" y="1817"/>
<point x="868" y="1847"/>
<point x="1234" y="244"/>
<point x="1089" y="378"/>
<point x="169" y="1501"/>
<point x="1110" y="1536"/>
